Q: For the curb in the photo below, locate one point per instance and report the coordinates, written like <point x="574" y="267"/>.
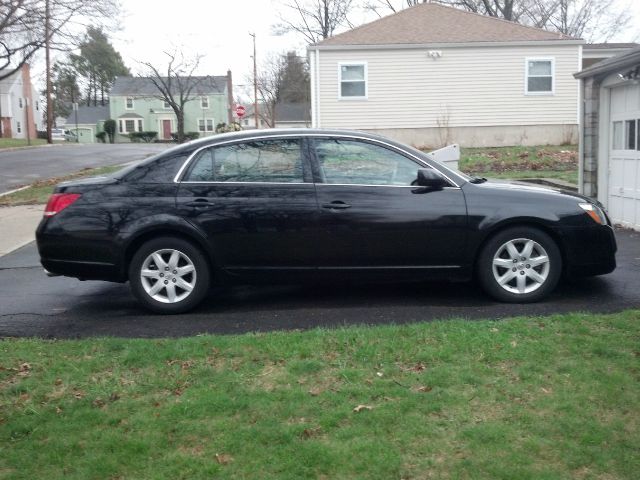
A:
<point x="33" y="147"/>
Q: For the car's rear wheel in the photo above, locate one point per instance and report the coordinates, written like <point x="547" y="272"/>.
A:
<point x="169" y="275"/>
<point x="521" y="264"/>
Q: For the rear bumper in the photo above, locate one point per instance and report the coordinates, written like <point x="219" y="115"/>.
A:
<point x="589" y="250"/>
<point x="82" y="270"/>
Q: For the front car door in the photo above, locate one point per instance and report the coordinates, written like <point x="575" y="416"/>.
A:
<point x="371" y="217"/>
<point x="255" y="200"/>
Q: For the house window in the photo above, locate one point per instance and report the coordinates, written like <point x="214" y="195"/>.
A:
<point x="205" y="123"/>
<point x="20" y="102"/>
<point x="129" y="103"/>
<point x="630" y="135"/>
<point x="539" y="76"/>
<point x="166" y="105"/>
<point x="37" y="105"/>
<point x="353" y="80"/>
<point x="204" y="102"/>
<point x="129" y="125"/>
<point x="18" y="127"/>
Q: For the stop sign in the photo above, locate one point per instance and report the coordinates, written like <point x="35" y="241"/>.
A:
<point x="240" y="111"/>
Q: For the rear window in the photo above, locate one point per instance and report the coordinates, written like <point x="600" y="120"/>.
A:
<point x="155" y="170"/>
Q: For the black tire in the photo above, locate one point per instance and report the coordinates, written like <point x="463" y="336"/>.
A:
<point x="531" y="270"/>
<point x="188" y="254"/>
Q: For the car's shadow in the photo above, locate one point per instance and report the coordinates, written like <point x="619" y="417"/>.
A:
<point x="111" y="310"/>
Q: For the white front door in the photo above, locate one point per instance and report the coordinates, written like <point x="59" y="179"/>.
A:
<point x="624" y="156"/>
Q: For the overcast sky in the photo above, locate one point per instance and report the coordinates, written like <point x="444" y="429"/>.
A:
<point x="219" y="30"/>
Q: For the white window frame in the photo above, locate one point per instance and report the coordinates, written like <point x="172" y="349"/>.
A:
<point x="213" y="125"/>
<point x="553" y="75"/>
<point x="20" y="102"/>
<point x="18" y="126"/>
<point x="366" y="80"/>
<point x="122" y="125"/>
<point x="126" y="103"/>
<point x="202" y="102"/>
<point x="165" y="105"/>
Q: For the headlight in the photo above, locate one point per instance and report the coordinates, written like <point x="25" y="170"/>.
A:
<point x="594" y="212"/>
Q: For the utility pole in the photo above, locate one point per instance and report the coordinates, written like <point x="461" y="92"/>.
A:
<point x="47" y="48"/>
<point x="255" y="81"/>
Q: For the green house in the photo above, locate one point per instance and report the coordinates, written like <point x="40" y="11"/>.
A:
<point x="136" y="106"/>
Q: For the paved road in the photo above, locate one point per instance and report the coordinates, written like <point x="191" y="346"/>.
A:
<point x="34" y="305"/>
<point x="25" y="166"/>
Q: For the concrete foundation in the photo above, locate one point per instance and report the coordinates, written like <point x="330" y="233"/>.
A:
<point x="495" y="136"/>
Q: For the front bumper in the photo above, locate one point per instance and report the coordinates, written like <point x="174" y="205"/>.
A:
<point x="589" y="250"/>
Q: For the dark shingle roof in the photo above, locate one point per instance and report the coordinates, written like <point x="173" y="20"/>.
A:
<point x="144" y="85"/>
<point x="89" y="115"/>
<point x="429" y="23"/>
<point x="605" y="67"/>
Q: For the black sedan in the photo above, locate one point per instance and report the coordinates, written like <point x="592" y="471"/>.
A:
<point x="310" y="205"/>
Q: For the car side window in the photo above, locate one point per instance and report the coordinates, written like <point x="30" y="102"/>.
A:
<point x="275" y="161"/>
<point x="353" y="162"/>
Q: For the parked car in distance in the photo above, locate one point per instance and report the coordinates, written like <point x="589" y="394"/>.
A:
<point x="61" y="135"/>
<point x="307" y="205"/>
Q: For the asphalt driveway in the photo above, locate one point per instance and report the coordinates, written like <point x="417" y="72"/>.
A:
<point x="33" y="305"/>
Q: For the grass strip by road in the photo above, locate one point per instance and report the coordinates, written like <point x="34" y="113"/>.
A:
<point x="39" y="192"/>
<point x="526" y="398"/>
<point x="20" y="142"/>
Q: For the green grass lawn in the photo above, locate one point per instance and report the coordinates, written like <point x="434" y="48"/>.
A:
<point x="525" y="398"/>
<point x="558" y="162"/>
<point x="20" y="142"/>
<point x="40" y="191"/>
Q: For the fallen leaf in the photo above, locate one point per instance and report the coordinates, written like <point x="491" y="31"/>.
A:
<point x="424" y="388"/>
<point x="314" y="392"/>
<point x="380" y="374"/>
<point x="58" y="410"/>
<point x="24" y="396"/>
<point x="546" y="390"/>
<point x="58" y="381"/>
<point x="114" y="396"/>
<point x="98" y="402"/>
<point x="360" y="408"/>
<point x="494" y="330"/>
<point x="514" y="344"/>
<point x="223" y="458"/>
<point x="311" y="432"/>
<point x="78" y="394"/>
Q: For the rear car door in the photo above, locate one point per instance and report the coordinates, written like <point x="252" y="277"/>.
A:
<point x="255" y="200"/>
<point x="372" y="217"/>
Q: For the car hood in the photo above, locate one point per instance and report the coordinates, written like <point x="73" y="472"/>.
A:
<point x="515" y="185"/>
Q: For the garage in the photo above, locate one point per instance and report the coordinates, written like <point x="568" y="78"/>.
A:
<point x="84" y="134"/>
<point x="610" y="136"/>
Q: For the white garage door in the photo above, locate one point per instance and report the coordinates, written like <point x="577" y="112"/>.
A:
<point x="624" y="156"/>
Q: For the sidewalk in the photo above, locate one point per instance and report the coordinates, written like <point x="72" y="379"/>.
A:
<point x="18" y="226"/>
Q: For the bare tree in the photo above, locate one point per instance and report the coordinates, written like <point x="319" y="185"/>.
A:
<point x="382" y="7"/>
<point x="177" y="85"/>
<point x="315" y="20"/>
<point x="269" y="84"/>
<point x="22" y="26"/>
<point x="593" y="20"/>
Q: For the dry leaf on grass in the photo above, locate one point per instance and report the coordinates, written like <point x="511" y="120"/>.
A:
<point x="360" y="408"/>
<point x="223" y="458"/>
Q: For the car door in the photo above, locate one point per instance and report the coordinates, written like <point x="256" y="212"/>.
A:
<point x="372" y="217"/>
<point x="256" y="202"/>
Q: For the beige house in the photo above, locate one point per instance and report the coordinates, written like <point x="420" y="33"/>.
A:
<point x="430" y="75"/>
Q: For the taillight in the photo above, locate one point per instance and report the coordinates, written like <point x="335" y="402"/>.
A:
<point x="58" y="202"/>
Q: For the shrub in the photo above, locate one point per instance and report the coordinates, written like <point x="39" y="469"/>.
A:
<point x="146" y="137"/>
<point x="232" y="127"/>
<point x="110" y="129"/>
<point x="102" y="137"/>
<point x="187" y="136"/>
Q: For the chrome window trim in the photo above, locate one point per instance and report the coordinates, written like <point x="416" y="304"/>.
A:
<point x="193" y="182"/>
<point x="308" y="135"/>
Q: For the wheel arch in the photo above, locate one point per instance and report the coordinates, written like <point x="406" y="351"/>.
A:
<point x="515" y="223"/>
<point x="141" y="238"/>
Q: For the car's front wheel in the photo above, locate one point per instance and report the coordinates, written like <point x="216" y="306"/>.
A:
<point x="169" y="275"/>
<point x="521" y="264"/>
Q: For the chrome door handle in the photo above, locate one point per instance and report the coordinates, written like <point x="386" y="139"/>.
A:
<point x="337" y="205"/>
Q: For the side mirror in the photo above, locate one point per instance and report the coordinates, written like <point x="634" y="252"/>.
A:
<point x="430" y="178"/>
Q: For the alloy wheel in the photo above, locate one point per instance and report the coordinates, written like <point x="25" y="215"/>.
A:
<point x="521" y="266"/>
<point x="168" y="275"/>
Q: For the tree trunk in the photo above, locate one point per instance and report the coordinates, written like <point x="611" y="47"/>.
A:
<point x="180" y="115"/>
